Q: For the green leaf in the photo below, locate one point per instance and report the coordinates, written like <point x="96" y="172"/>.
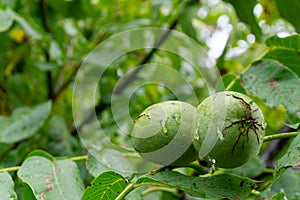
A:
<point x="294" y="126"/>
<point x="24" y="123"/>
<point x="289" y="184"/>
<point x="7" y="187"/>
<point x="185" y="20"/>
<point x="5" y="21"/>
<point x="290" y="158"/>
<point x="54" y="51"/>
<point x="41" y="153"/>
<point x="58" y="179"/>
<point x="285" y="50"/>
<point x="16" y="156"/>
<point x="46" y="66"/>
<point x="290" y="11"/>
<point x="274" y="83"/>
<point x="244" y="10"/>
<point x="60" y="142"/>
<point x="289" y="58"/>
<point x="292" y="42"/>
<point x="106" y="186"/>
<point x="218" y="186"/>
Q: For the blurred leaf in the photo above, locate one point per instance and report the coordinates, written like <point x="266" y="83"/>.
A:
<point x="290" y="11"/>
<point x="4" y="147"/>
<point x="46" y="66"/>
<point x="289" y="184"/>
<point x="70" y="28"/>
<point x="273" y="83"/>
<point x="218" y="186"/>
<point x="27" y="27"/>
<point x="267" y="194"/>
<point x="95" y="167"/>
<point x="5" y="21"/>
<point x="58" y="179"/>
<point x="290" y="158"/>
<point x="294" y="126"/>
<point x="251" y="169"/>
<point x="16" y="155"/>
<point x="244" y="10"/>
<point x="24" y="123"/>
<point x="60" y="142"/>
<point x="7" y="187"/>
<point x="106" y="186"/>
<point x="285" y="50"/>
<point x="10" y="3"/>
<point x="186" y="18"/>
<point x="54" y="51"/>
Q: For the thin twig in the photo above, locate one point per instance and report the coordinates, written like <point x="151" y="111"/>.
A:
<point x="66" y="83"/>
<point x="128" y="189"/>
<point x="173" y="191"/>
<point x="280" y="136"/>
<point x="16" y="168"/>
<point x="44" y="11"/>
<point x="133" y="75"/>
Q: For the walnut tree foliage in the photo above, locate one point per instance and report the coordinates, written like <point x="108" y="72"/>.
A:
<point x="255" y="45"/>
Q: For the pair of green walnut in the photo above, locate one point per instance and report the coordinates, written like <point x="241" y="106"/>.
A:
<point x="226" y="130"/>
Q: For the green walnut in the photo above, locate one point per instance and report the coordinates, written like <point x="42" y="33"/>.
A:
<point x="164" y="133"/>
<point x="230" y="131"/>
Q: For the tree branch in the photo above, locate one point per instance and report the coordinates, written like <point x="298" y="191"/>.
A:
<point x="133" y="75"/>
<point x="44" y="14"/>
<point x="280" y="136"/>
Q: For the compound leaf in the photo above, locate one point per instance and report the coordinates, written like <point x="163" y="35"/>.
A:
<point x="274" y="83"/>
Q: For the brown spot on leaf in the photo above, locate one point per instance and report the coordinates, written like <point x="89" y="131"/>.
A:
<point x="49" y="188"/>
<point x="273" y="83"/>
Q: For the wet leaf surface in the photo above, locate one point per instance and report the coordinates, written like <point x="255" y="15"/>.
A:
<point x="218" y="186"/>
